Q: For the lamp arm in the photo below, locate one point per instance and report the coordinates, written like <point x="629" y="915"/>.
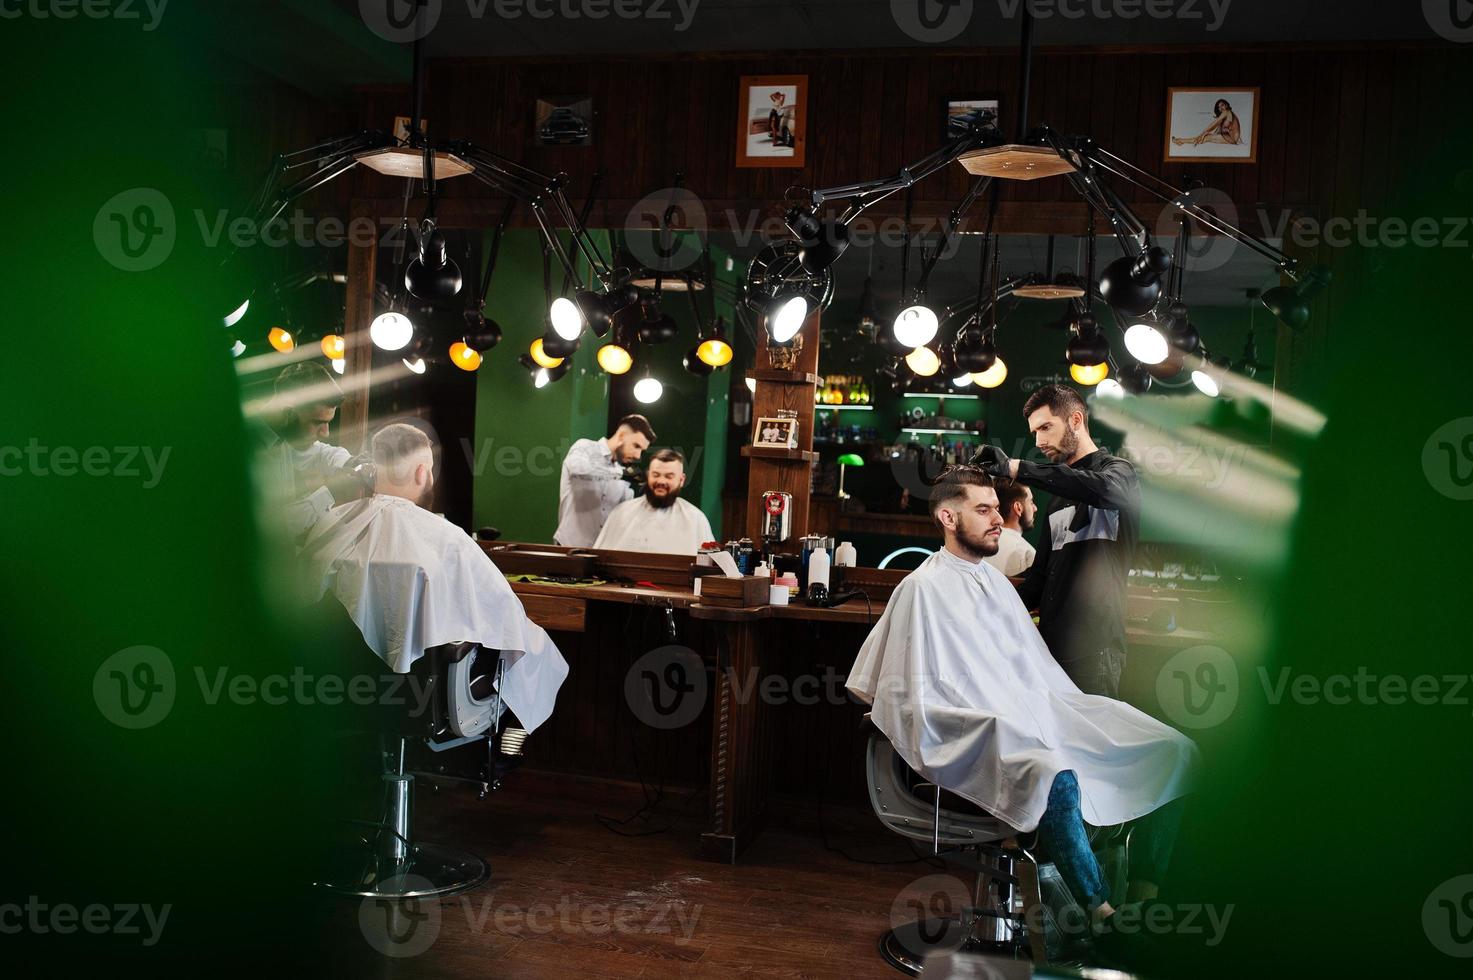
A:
<point x="867" y="193"/>
<point x="978" y="186"/>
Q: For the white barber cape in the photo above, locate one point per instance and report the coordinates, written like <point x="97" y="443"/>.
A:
<point x="638" y="525"/>
<point x="411" y="580"/>
<point x="965" y="689"/>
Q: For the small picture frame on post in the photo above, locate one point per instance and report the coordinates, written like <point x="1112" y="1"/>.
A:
<point x="775" y="433"/>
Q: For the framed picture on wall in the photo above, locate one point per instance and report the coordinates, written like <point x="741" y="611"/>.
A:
<point x="773" y="112"/>
<point x="775" y="433"/>
<point x="564" y="122"/>
<point x="1212" y="125"/>
<point x="960" y="112"/>
<point x="401" y="128"/>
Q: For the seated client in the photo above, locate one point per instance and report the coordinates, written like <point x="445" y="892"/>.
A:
<point x="412" y="581"/>
<point x="963" y="686"/>
<point x="658" y="520"/>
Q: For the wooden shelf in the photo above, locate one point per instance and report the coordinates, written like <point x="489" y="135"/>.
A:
<point x="767" y="452"/>
<point x="783" y="377"/>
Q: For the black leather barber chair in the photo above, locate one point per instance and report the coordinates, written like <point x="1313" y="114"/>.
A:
<point x="1017" y="895"/>
<point x="448" y="701"/>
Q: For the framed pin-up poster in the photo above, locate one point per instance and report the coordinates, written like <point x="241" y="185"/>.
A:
<point x="773" y="114"/>
<point x="1212" y="125"/>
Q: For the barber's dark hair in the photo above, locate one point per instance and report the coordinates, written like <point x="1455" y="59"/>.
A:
<point x="669" y="456"/>
<point x="307" y="383"/>
<point x="1009" y="492"/>
<point x="951" y="484"/>
<point x="639" y="424"/>
<point x="1059" y="399"/>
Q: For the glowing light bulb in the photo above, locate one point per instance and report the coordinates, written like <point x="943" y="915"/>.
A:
<point x="334" y="346"/>
<point x="1089" y="374"/>
<point x="339" y="365"/>
<point x="993" y="376"/>
<point x="417" y="365"/>
<point x="788" y="319"/>
<point x="915" y="326"/>
<point x="923" y="361"/>
<point x="567" y="319"/>
<point x="961" y="381"/>
<point x="391" y="331"/>
<point x="464" y="357"/>
<point x="234" y="316"/>
<point x="614" y="359"/>
<point x="1206" y="383"/>
<point x="542" y="357"/>
<point x="715" y="352"/>
<point x="648" y="390"/>
<point x="1110" y="388"/>
<point x="1146" y="344"/>
<point x="282" y="340"/>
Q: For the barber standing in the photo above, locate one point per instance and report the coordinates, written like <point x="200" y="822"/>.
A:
<point x="1087" y="543"/>
<point x="592" y="482"/>
<point x="305" y="476"/>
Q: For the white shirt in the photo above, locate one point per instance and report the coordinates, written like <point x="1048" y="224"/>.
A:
<point x="590" y="486"/>
<point x="963" y="686"/>
<point x="412" y="581"/>
<point x="294" y="481"/>
<point x="1014" y="553"/>
<point x="637" y="525"/>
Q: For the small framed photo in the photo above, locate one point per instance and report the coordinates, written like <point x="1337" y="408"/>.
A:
<point x="401" y="129"/>
<point x="1212" y="125"/>
<point x="961" y="112"/>
<point x="775" y="434"/>
<point x="564" y="122"/>
<point x="774" y="115"/>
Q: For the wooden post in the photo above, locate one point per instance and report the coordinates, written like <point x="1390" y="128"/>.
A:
<point x="357" y="317"/>
<point x="777" y="469"/>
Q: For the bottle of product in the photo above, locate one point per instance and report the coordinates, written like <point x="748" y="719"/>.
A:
<point x="846" y="556"/>
<point x="818" y="568"/>
<point x="762" y="570"/>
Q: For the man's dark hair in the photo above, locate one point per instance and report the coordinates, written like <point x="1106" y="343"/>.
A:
<point x="639" y="424"/>
<point x="307" y="383"/>
<point x="952" y="484"/>
<point x="1009" y="492"/>
<point x="1059" y="399"/>
<point x="669" y="456"/>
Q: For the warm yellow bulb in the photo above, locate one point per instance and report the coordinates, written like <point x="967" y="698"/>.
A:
<point x="463" y="357"/>
<point x="715" y="352"/>
<point x="334" y="346"/>
<point x="282" y="340"/>
<point x="993" y="376"/>
<point x="614" y="359"/>
<point x="1089" y="374"/>
<point x="923" y="361"/>
<point x="541" y="358"/>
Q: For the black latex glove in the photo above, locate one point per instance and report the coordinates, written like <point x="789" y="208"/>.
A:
<point x="993" y="461"/>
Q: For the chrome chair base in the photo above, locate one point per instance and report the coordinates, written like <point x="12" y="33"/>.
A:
<point x="906" y="947"/>
<point x="430" y="870"/>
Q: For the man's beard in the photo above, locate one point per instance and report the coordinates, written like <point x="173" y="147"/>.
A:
<point x="427" y="496"/>
<point x="1068" y="445"/>
<point x="978" y="544"/>
<point x="661" y="502"/>
<point x="1025" y="522"/>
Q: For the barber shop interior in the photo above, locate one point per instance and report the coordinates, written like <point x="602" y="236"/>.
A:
<point x="737" y="488"/>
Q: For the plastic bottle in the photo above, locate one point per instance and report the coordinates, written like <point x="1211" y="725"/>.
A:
<point x="846" y="556"/>
<point x="818" y="568"/>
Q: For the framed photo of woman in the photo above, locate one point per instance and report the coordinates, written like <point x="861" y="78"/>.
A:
<point x="773" y="115"/>
<point x="1212" y="125"/>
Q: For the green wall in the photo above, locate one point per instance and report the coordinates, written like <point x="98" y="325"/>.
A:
<point x="523" y="433"/>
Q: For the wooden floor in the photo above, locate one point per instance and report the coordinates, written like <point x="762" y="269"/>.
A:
<point x="569" y="897"/>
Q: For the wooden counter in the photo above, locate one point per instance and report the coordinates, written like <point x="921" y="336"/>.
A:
<point x="740" y="648"/>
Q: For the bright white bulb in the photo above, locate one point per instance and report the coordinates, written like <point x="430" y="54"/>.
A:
<point x="1146" y="344"/>
<point x="962" y="381"/>
<point x="648" y="390"/>
<point x="752" y="385"/>
<point x="1206" y="383"/>
<point x="567" y="320"/>
<point x="788" y="319"/>
<point x="1110" y="388"/>
<point x="915" y="326"/>
<point x="339" y="364"/>
<point x="235" y="315"/>
<point x="540" y="379"/>
<point x="237" y="349"/>
<point x="417" y="365"/>
<point x="391" y="331"/>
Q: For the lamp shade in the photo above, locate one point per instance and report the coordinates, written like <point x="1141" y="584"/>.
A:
<point x="1089" y="374"/>
<point x="1132" y="285"/>
<point x="334" y="346"/>
<point x="850" y="459"/>
<point x="993" y="376"/>
<point x="282" y="340"/>
<point x="923" y="361"/>
<point x="615" y="358"/>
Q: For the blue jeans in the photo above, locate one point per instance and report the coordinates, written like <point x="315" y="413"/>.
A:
<point x="1062" y="833"/>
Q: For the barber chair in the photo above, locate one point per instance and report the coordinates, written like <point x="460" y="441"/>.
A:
<point x="449" y="702"/>
<point x="1008" y="915"/>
